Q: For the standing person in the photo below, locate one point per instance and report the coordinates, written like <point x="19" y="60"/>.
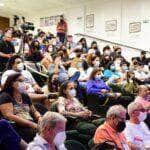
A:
<point x="62" y="29"/>
<point x="6" y="50"/>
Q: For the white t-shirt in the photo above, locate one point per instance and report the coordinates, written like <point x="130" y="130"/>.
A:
<point x="28" y="78"/>
<point x="137" y="134"/>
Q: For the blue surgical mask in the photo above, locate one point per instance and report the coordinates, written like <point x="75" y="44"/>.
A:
<point x="125" y="68"/>
<point x="98" y="77"/>
<point x="112" y="68"/>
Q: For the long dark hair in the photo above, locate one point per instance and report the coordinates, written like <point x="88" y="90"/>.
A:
<point x="62" y="88"/>
<point x="7" y="87"/>
<point x="52" y="87"/>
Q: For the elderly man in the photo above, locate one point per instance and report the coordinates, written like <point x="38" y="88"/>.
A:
<point x="51" y="134"/>
<point x="111" y="130"/>
<point x="143" y="96"/>
<point x="136" y="131"/>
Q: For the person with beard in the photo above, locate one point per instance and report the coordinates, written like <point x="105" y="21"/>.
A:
<point x="7" y="50"/>
<point x="62" y="29"/>
<point x="111" y="130"/>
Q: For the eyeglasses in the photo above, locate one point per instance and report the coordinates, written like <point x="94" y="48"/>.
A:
<point x="141" y="110"/>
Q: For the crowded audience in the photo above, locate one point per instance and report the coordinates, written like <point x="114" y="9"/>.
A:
<point x="45" y="85"/>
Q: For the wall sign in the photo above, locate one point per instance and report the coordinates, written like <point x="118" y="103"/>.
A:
<point x="135" y="27"/>
<point x="90" y="21"/>
<point x="111" y="25"/>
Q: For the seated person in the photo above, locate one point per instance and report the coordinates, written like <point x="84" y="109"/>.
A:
<point x="52" y="88"/>
<point x="112" y="75"/>
<point x="17" y="107"/>
<point x="97" y="86"/>
<point x="9" y="139"/>
<point x="143" y="96"/>
<point x="15" y="64"/>
<point x="136" y="131"/>
<point x="68" y="104"/>
<point x="51" y="134"/>
<point x="111" y="130"/>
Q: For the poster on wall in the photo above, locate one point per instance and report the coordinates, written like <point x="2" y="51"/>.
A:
<point x="49" y="21"/>
<point x="134" y="27"/>
<point x="111" y="25"/>
<point x="90" y="21"/>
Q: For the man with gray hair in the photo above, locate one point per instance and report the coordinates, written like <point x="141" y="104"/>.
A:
<point x="51" y="135"/>
<point x="111" y="130"/>
<point x="136" y="131"/>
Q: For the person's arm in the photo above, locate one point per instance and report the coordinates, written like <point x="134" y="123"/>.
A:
<point x="36" y="114"/>
<point x="5" y="55"/>
<point x="7" y="111"/>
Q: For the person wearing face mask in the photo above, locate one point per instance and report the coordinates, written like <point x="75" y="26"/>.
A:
<point x="7" y="50"/>
<point x="68" y="104"/>
<point x="16" y="106"/>
<point x="94" y="62"/>
<point x="97" y="86"/>
<point x="136" y="131"/>
<point x="15" y="64"/>
<point x="112" y="128"/>
<point x="51" y="133"/>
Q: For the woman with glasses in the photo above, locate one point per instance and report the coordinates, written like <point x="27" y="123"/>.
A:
<point x="17" y="107"/>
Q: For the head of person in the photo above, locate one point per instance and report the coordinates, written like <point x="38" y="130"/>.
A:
<point x="61" y="18"/>
<point x="15" y="63"/>
<point x="94" y="61"/>
<point x="134" y="61"/>
<point x="8" y="37"/>
<point x="137" y="112"/>
<point x="118" y="51"/>
<point x="53" y="83"/>
<point x="143" y="91"/>
<point x="70" y="38"/>
<point x="112" y="67"/>
<point x="13" y="82"/>
<point x="116" y="117"/>
<point x="85" y="65"/>
<point x="67" y="90"/>
<point x="50" y="48"/>
<point x="83" y="42"/>
<point x="94" y="45"/>
<point x="57" y="58"/>
<point x="107" y="50"/>
<point x="35" y="44"/>
<point x="96" y="74"/>
<point x="124" y="66"/>
<point x="52" y="128"/>
<point x="143" y="54"/>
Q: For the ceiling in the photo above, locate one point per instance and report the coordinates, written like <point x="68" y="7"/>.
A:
<point x="31" y="7"/>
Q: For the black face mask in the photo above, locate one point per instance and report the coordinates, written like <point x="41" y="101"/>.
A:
<point x="121" y="126"/>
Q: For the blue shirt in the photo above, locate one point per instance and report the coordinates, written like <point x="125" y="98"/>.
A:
<point x="95" y="86"/>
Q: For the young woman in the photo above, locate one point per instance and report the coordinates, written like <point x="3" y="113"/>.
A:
<point x="17" y="107"/>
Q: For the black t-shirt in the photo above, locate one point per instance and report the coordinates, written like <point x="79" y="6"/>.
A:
<point x="6" y="48"/>
<point x="21" y="110"/>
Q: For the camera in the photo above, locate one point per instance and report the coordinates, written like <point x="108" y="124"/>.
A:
<point x="27" y="26"/>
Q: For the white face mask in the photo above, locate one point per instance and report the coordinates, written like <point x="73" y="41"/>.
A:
<point x="72" y="93"/>
<point x="60" y="139"/>
<point x="142" y="116"/>
<point x="22" y="87"/>
<point x="20" y="66"/>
